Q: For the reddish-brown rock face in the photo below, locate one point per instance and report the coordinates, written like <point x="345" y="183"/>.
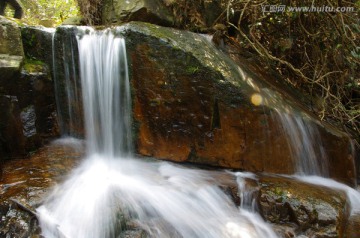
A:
<point x="184" y="119"/>
<point x="192" y="104"/>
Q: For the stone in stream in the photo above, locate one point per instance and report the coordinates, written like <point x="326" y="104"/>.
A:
<point x="316" y="211"/>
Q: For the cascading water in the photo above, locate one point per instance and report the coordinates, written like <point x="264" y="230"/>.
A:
<point x="106" y="94"/>
<point x="305" y="144"/>
<point x="111" y="192"/>
<point x="303" y="137"/>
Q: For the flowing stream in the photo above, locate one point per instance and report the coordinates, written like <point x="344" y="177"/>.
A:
<point x="113" y="194"/>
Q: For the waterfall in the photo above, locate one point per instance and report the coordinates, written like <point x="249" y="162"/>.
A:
<point x="114" y="195"/>
<point x="106" y="93"/>
<point x="303" y="137"/>
<point x="248" y="202"/>
<point x="305" y="144"/>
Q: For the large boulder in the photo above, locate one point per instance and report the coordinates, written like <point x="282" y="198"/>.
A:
<point x="194" y="15"/>
<point x="11" y="59"/>
<point x="29" y="111"/>
<point x="153" y="11"/>
<point x="36" y="86"/>
<point x="192" y="103"/>
<point x="26" y="90"/>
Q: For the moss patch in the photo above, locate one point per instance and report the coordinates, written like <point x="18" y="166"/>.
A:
<point x="34" y="66"/>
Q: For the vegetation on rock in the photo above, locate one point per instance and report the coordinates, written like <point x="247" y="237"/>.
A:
<point x="46" y="12"/>
<point x="317" y="52"/>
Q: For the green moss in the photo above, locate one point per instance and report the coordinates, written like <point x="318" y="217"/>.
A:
<point x="192" y="69"/>
<point x="30" y="41"/>
<point x="33" y="66"/>
<point x="159" y="32"/>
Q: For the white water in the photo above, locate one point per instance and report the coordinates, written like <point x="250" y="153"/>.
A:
<point x="162" y="199"/>
<point x="106" y="93"/>
<point x="246" y="194"/>
<point x="353" y="195"/>
<point x="305" y="144"/>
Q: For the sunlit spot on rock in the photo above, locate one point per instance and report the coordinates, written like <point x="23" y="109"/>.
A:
<point x="256" y="99"/>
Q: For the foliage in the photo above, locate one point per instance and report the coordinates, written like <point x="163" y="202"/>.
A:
<point x="91" y="11"/>
<point x="317" y="52"/>
<point x="46" y="12"/>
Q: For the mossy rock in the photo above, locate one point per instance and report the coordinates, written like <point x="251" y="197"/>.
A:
<point x="153" y="11"/>
<point x="34" y="66"/>
<point x="37" y="43"/>
<point x="314" y="209"/>
<point x="10" y="38"/>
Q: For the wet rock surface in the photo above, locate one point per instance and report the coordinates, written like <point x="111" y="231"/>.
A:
<point x="26" y="91"/>
<point x="192" y="103"/>
<point x="293" y="208"/>
<point x="316" y="211"/>
<point x="67" y="83"/>
<point x="37" y="100"/>
<point x="353" y="226"/>
<point x="12" y="139"/>
<point x="9" y="67"/>
<point x="33" y="94"/>
<point x="37" y="42"/>
<point x="25" y="183"/>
